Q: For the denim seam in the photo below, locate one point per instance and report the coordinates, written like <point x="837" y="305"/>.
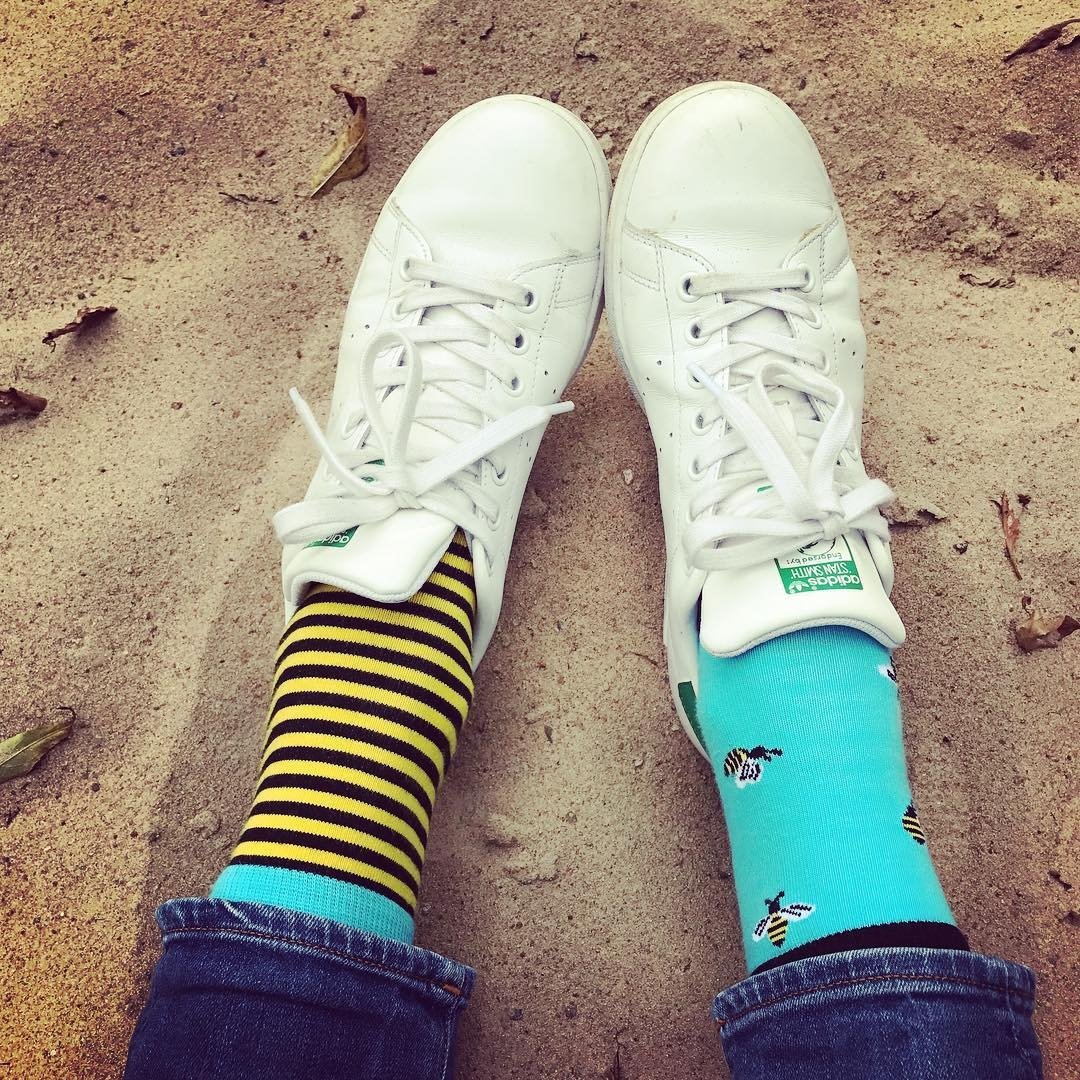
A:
<point x="450" y="988"/>
<point x="892" y="977"/>
<point x="1021" y="1050"/>
<point x="448" y="1040"/>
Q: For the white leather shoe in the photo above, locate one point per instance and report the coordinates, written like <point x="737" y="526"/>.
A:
<point x="734" y="307"/>
<point x="475" y="304"/>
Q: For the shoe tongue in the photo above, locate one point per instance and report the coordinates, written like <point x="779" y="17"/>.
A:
<point x="829" y="583"/>
<point x="790" y="405"/>
<point x="432" y="436"/>
<point x="427" y="438"/>
<point x="383" y="560"/>
<point x="833" y="582"/>
<point x="390" y="560"/>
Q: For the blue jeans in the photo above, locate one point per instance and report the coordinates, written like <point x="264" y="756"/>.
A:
<point x="248" y="991"/>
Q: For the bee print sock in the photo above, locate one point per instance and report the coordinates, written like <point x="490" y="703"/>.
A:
<point x="826" y="844"/>
<point x="367" y="704"/>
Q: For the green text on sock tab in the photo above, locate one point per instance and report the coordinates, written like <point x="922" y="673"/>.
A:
<point x="823" y="565"/>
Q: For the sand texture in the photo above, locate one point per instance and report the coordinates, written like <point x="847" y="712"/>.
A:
<point x="578" y="857"/>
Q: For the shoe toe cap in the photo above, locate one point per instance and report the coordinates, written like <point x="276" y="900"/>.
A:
<point x="724" y="157"/>
<point x="517" y="178"/>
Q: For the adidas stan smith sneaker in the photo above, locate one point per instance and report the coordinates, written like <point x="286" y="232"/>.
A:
<point x="735" y="311"/>
<point x="475" y="304"/>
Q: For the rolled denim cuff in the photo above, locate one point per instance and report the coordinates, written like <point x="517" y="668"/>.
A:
<point x="341" y="950"/>
<point x="247" y="991"/>
<point x="917" y="1014"/>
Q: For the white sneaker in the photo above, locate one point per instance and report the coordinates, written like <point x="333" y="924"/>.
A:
<point x="475" y="304"/>
<point x="734" y="307"/>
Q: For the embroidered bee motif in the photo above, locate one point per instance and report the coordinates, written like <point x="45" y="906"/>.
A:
<point x="746" y="765"/>
<point x="912" y="824"/>
<point x="776" y="923"/>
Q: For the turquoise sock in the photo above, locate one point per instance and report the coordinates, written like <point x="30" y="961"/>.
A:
<point x="315" y="894"/>
<point x="805" y="738"/>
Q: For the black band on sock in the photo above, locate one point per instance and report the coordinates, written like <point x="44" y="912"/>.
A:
<point x="898" y="935"/>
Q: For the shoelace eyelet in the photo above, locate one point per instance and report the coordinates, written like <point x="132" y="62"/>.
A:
<point x="811" y="282"/>
<point x="514" y="386"/>
<point x="699" y="424"/>
<point x="520" y="344"/>
<point x="816" y="322"/>
<point x="403" y="269"/>
<point x="684" y="290"/>
<point x="693" y="334"/>
<point x="499" y="478"/>
<point x="695" y="470"/>
<point x="396" y="313"/>
<point x="531" y="303"/>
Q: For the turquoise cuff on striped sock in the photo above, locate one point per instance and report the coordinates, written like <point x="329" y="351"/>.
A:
<point x="318" y="895"/>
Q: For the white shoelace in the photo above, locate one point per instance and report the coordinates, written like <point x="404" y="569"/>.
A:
<point x="445" y="395"/>
<point x="801" y="491"/>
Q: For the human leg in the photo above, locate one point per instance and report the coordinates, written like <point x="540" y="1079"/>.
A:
<point x="475" y="304"/>
<point x="734" y="308"/>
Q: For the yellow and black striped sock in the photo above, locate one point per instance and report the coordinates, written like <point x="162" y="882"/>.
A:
<point x="367" y="703"/>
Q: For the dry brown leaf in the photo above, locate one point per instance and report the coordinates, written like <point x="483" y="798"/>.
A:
<point x="244" y="199"/>
<point x="988" y="282"/>
<point x="1041" y="631"/>
<point x="20" y="753"/>
<point x="84" y="317"/>
<point x="1047" y="36"/>
<point x="20" y="403"/>
<point x="1010" y="527"/>
<point x="348" y="157"/>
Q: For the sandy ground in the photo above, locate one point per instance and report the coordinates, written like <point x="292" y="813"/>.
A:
<point x="139" y="573"/>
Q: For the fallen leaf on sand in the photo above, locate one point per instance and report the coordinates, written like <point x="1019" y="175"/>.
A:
<point x="348" y="157"/>
<point x="20" y="403"/>
<point x="246" y="200"/>
<point x="20" y="753"/>
<point x="84" y="317"/>
<point x="988" y="282"/>
<point x="1010" y="527"/>
<point x="1047" y="36"/>
<point x="1041" y="631"/>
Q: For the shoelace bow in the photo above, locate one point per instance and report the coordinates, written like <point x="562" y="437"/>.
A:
<point x="376" y="479"/>
<point x="808" y="494"/>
